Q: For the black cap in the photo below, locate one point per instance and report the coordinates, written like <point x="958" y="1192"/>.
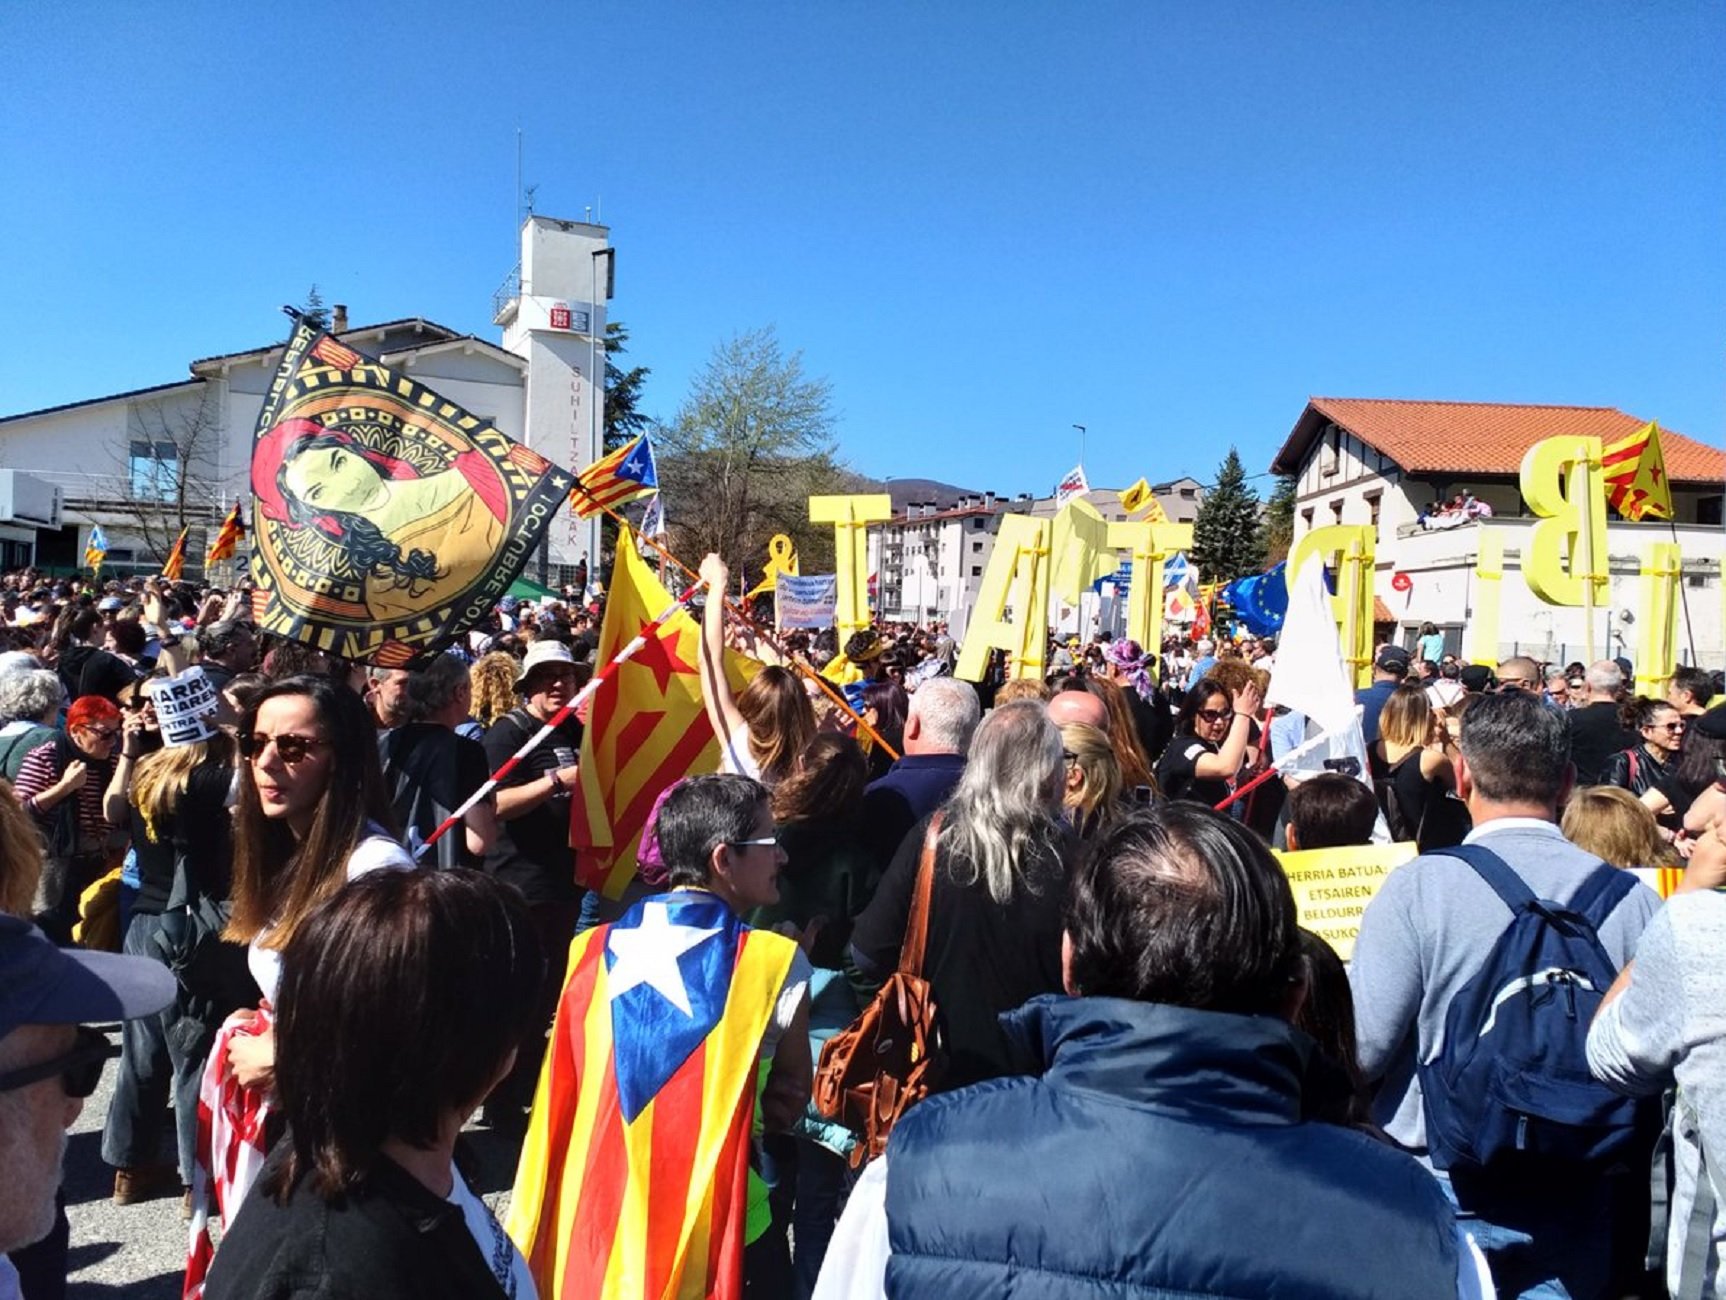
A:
<point x="44" y="985"/>
<point x="1477" y="678"/>
<point x="1392" y="659"/>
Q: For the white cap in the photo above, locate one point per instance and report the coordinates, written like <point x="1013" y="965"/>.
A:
<point x="544" y="652"/>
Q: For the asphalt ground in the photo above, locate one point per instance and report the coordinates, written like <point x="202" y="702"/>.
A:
<point x="139" y="1251"/>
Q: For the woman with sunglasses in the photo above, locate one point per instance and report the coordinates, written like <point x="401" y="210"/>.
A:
<point x="1212" y="735"/>
<point x="1653" y="763"/>
<point x="64" y="785"/>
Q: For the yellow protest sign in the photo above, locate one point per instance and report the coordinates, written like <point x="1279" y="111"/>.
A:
<point x="781" y="558"/>
<point x="1333" y="886"/>
<point x="1657" y="656"/>
<point x="1018" y="575"/>
<point x="1349" y="547"/>
<point x="850" y="517"/>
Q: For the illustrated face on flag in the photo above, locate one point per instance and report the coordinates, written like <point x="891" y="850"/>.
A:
<point x="387" y="520"/>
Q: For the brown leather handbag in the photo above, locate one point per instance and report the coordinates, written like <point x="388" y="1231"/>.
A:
<point x="888" y="1059"/>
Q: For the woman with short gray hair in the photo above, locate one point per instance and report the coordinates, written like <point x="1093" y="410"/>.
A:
<point x="1002" y="855"/>
<point x="29" y="706"/>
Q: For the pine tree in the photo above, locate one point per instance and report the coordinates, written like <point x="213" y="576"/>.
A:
<point x="312" y="310"/>
<point x="1278" y="528"/>
<point x="1226" y="539"/>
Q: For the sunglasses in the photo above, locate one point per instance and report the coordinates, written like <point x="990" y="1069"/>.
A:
<point x="106" y="733"/>
<point x="79" y="1068"/>
<point x="290" y="748"/>
<point x="760" y="842"/>
<point x="1666" y="726"/>
<point x="1212" y="715"/>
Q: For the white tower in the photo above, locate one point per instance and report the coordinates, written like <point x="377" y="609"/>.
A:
<point x="552" y="310"/>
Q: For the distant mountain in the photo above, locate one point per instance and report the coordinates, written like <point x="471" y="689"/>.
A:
<point x="906" y="490"/>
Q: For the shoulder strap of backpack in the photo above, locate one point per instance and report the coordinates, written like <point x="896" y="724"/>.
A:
<point x="917" y="926"/>
<point x="1496" y="872"/>
<point x="1601" y="893"/>
<point x="1699" y="1229"/>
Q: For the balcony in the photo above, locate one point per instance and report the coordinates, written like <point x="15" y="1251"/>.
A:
<point x="1626" y="543"/>
<point x="507" y="300"/>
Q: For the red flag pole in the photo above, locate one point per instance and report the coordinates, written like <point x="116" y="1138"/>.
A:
<point x="609" y="671"/>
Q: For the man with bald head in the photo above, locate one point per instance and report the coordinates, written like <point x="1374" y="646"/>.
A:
<point x="1078" y="706"/>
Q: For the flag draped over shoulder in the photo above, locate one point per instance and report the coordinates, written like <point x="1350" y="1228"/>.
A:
<point x="622" y="475"/>
<point x="1635" y="475"/>
<point x="96" y="548"/>
<point x="227" y="539"/>
<point x="386" y="520"/>
<point x="633" y="1177"/>
<point x="646" y="728"/>
<point x="175" y="564"/>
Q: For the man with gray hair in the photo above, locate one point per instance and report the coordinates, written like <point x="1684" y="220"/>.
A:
<point x="944" y="713"/>
<point x="1595" y="731"/>
<point x="1426" y="936"/>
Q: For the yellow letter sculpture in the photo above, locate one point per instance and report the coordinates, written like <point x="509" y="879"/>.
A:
<point x="1561" y="482"/>
<point x="850" y="516"/>
<point x="1351" y="546"/>
<point x="1150" y="543"/>
<point x="1082" y="553"/>
<point x="1018" y="572"/>
<point x="1657" y="656"/>
<point x="1483" y="617"/>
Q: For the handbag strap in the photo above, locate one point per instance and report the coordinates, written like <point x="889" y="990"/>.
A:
<point x="917" y="926"/>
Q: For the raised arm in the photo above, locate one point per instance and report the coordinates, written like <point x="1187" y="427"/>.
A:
<point x="716" y="694"/>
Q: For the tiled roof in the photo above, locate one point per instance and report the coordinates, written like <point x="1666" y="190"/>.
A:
<point x="1481" y="437"/>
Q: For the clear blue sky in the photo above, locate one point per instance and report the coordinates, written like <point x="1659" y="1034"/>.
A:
<point x="984" y="222"/>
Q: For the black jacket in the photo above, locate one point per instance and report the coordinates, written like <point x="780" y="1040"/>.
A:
<point x="394" y="1240"/>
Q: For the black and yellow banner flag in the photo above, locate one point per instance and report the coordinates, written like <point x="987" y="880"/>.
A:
<point x="386" y="520"/>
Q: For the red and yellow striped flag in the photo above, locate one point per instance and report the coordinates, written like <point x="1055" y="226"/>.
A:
<point x="1635" y="472"/>
<point x="175" y="564"/>
<point x="647" y="728"/>
<point x="623" y="475"/>
<point x="633" y="1179"/>
<point x="228" y="539"/>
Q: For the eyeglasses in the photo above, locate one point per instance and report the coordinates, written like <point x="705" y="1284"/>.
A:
<point x="1067" y="756"/>
<point x="80" y="1068"/>
<point x="106" y="733"/>
<point x="1666" y="726"/>
<point x="1212" y="715"/>
<point x="760" y="842"/>
<point x="290" y="748"/>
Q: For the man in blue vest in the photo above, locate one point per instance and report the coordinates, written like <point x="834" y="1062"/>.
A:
<point x="1157" y="1143"/>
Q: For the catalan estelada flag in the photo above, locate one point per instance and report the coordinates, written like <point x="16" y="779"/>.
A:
<point x="1635" y="472"/>
<point x="227" y="538"/>
<point x="633" y="1179"/>
<point x="623" y="475"/>
<point x="646" y="728"/>
<point x="96" y="549"/>
<point x="175" y="564"/>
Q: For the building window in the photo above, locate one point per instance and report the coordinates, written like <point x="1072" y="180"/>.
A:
<point x="1306" y="519"/>
<point x="976" y="571"/>
<point x="1708" y="510"/>
<point x="977" y="523"/>
<point x="976" y="548"/>
<point x="1372" y="504"/>
<point x="153" y="469"/>
<point x="1336" y="511"/>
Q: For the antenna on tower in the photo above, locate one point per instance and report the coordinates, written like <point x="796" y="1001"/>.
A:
<point x="518" y="217"/>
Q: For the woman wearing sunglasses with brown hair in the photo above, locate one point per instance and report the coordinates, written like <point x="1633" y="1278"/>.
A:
<point x="1213" y="733"/>
<point x="312" y="815"/>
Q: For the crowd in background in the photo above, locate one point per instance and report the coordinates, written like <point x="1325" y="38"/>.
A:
<point x="1154" y="1078"/>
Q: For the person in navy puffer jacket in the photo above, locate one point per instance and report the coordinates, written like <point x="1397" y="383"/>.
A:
<point x="1159" y="1145"/>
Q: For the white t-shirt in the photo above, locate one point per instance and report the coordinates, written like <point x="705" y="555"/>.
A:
<point x="734" y="756"/>
<point x="495" y="1247"/>
<point x="377" y="852"/>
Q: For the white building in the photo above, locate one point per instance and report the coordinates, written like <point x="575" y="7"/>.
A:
<point x="125" y="460"/>
<point x="1385" y="463"/>
<point x="929" y="562"/>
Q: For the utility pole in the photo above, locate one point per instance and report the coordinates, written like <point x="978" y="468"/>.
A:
<point x="1081" y="429"/>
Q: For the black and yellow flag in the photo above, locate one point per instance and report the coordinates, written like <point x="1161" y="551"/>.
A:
<point x="386" y="520"/>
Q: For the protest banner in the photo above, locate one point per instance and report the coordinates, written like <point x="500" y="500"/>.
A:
<point x="810" y="601"/>
<point x="1333" y="886"/>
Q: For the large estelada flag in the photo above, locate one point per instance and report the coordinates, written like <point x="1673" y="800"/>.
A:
<point x="1635" y="474"/>
<point x="96" y="549"/>
<point x="227" y="539"/>
<point x="633" y="1179"/>
<point x="175" y="565"/>
<point x="622" y="475"/>
<point x="646" y="726"/>
<point x="386" y="520"/>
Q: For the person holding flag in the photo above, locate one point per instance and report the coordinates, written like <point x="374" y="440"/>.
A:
<point x="96" y="550"/>
<point x="680" y="1030"/>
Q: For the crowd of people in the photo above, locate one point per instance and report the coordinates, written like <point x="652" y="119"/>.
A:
<point x="1146" y="1077"/>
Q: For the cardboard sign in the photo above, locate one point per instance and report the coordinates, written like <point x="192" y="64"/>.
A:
<point x="1333" y="886"/>
<point x="186" y="707"/>
<point x="811" y="601"/>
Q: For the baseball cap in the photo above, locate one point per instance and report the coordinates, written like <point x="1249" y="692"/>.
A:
<point x="44" y="985"/>
<point x="1392" y="658"/>
<point x="544" y="652"/>
<point x="1476" y="677"/>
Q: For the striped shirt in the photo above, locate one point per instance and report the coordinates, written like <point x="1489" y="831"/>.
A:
<point x="41" y="771"/>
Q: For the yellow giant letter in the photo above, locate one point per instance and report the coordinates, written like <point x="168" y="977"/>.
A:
<point x="1561" y="482"/>
<point x="1018" y="570"/>
<point x="1082" y="551"/>
<point x="1351" y="546"/>
<point x="849" y="516"/>
<point x="1150" y="543"/>
<point x="1483" y="617"/>
<point x="1662" y="571"/>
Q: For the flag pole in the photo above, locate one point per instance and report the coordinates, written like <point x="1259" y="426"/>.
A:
<point x="756" y="628"/>
<point x="1588" y="556"/>
<point x="1683" y="596"/>
<point x="551" y="724"/>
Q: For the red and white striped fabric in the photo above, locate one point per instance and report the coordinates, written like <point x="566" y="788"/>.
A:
<point x="230" y="1145"/>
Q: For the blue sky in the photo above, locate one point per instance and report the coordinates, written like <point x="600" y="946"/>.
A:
<point x="983" y="222"/>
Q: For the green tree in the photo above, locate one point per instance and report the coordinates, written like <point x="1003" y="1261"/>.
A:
<point x="1226" y="540"/>
<point x="1277" y="529"/>
<point x="752" y="442"/>
<point x="312" y="310"/>
<point x="624" y="417"/>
